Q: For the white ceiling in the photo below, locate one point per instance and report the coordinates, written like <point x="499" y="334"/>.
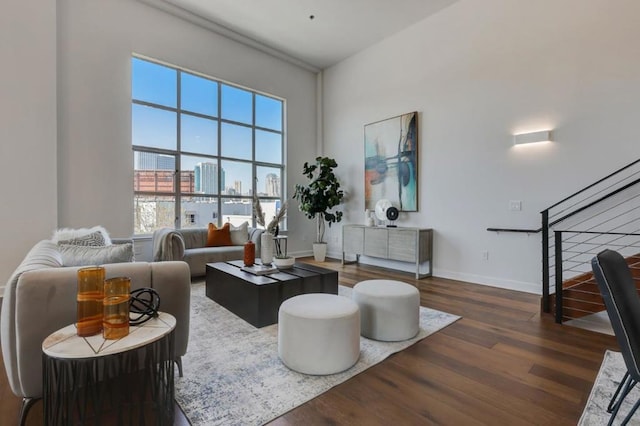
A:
<point x="339" y="29"/>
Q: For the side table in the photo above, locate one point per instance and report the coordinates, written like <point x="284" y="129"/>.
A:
<point x="129" y="381"/>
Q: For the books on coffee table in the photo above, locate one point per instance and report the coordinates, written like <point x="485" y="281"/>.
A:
<point x="260" y="269"/>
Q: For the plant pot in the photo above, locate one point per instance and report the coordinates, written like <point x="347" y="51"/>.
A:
<point x="284" y="262"/>
<point x="319" y="251"/>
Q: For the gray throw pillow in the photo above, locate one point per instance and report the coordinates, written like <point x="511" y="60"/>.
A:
<point x="94" y="239"/>
<point x="73" y="255"/>
<point x="71" y="234"/>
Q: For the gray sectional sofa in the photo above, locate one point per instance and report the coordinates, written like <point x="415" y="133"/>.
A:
<point x="189" y="245"/>
<point x="40" y="298"/>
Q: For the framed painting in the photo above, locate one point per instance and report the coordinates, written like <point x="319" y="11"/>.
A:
<point x="391" y="162"/>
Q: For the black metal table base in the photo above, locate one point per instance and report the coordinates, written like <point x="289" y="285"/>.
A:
<point x="128" y="388"/>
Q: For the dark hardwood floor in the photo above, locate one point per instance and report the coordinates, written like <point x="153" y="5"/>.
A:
<point x="503" y="363"/>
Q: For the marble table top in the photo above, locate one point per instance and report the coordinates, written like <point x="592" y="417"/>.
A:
<point x="66" y="344"/>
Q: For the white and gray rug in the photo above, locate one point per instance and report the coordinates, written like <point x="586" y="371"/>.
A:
<point x="233" y="376"/>
<point x="611" y="373"/>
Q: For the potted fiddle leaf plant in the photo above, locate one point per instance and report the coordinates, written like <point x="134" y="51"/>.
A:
<point x="318" y="197"/>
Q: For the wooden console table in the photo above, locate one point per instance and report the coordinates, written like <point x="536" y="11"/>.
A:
<point x="402" y="243"/>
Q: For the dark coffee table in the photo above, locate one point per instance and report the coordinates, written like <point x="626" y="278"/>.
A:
<point x="257" y="298"/>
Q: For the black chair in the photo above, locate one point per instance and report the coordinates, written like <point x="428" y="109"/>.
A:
<point x="623" y="307"/>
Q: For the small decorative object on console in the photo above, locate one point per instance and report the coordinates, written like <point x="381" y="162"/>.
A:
<point x="386" y="211"/>
<point x="392" y="215"/>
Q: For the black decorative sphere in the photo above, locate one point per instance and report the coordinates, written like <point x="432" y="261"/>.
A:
<point x="392" y="213"/>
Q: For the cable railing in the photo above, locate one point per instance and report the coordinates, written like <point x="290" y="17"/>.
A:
<point x="572" y="268"/>
<point x="605" y="214"/>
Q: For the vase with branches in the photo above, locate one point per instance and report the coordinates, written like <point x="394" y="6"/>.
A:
<point x="319" y="197"/>
<point x="271" y="230"/>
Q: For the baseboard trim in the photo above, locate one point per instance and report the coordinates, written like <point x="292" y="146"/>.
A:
<point x="526" y="287"/>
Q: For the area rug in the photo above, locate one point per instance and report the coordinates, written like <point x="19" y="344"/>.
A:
<point x="611" y="373"/>
<point x="233" y="376"/>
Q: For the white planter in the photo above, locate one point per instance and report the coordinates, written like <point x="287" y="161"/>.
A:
<point x="266" y="248"/>
<point x="319" y="251"/>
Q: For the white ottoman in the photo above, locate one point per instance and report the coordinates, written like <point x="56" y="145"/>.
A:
<point x="389" y="310"/>
<point x="319" y="333"/>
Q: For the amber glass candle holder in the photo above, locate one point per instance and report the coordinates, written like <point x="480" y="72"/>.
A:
<point x="115" y="321"/>
<point x="89" y="300"/>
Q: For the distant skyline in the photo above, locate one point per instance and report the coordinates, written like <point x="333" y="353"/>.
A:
<point x="149" y="161"/>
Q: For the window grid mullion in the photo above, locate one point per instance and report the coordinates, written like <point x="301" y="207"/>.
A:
<point x="218" y="159"/>
<point x="219" y="151"/>
<point x="178" y="157"/>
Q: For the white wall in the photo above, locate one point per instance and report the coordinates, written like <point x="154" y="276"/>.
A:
<point x="66" y="158"/>
<point x="28" y="212"/>
<point x="96" y="40"/>
<point x="478" y="72"/>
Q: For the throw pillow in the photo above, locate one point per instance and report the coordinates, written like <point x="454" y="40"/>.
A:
<point x="239" y="234"/>
<point x="93" y="239"/>
<point x="91" y="255"/>
<point x="218" y="237"/>
<point x="70" y="234"/>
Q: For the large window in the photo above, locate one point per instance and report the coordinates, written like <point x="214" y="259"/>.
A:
<point x="202" y="149"/>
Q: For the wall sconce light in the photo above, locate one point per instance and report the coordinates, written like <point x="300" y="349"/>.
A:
<point x="533" y="137"/>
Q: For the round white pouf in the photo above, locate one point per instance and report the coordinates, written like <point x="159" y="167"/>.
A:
<point x="389" y="310"/>
<point x="319" y="333"/>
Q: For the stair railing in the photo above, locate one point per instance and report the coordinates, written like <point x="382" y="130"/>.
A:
<point x="605" y="214"/>
<point x="608" y="207"/>
<point x="573" y="251"/>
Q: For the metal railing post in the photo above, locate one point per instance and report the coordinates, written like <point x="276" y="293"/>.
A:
<point x="558" y="259"/>
<point x="546" y="305"/>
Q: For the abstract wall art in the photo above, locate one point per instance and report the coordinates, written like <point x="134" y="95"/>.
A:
<point x="391" y="162"/>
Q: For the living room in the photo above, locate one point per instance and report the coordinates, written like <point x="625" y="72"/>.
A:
<point x="477" y="73"/>
<point x="473" y="91"/>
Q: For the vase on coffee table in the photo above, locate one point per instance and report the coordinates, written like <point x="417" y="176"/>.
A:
<point x="266" y="248"/>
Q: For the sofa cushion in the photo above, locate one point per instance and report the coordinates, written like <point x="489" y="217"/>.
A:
<point x="198" y="258"/>
<point x="239" y="234"/>
<point x="193" y="237"/>
<point x="70" y="234"/>
<point x="218" y="237"/>
<point x="73" y="255"/>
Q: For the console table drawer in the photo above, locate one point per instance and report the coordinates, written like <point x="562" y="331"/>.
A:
<point x="375" y="242"/>
<point x="402" y="245"/>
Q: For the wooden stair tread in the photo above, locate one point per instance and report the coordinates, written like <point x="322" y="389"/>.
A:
<point x="581" y="296"/>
